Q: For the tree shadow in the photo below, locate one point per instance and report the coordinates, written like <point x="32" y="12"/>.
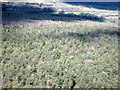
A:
<point x="97" y="5"/>
<point x="17" y="12"/>
<point x="82" y="36"/>
<point x="87" y="36"/>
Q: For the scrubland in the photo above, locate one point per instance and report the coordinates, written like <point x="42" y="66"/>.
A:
<point x="58" y="51"/>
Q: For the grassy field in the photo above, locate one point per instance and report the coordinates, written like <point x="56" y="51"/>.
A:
<point x="58" y="51"/>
